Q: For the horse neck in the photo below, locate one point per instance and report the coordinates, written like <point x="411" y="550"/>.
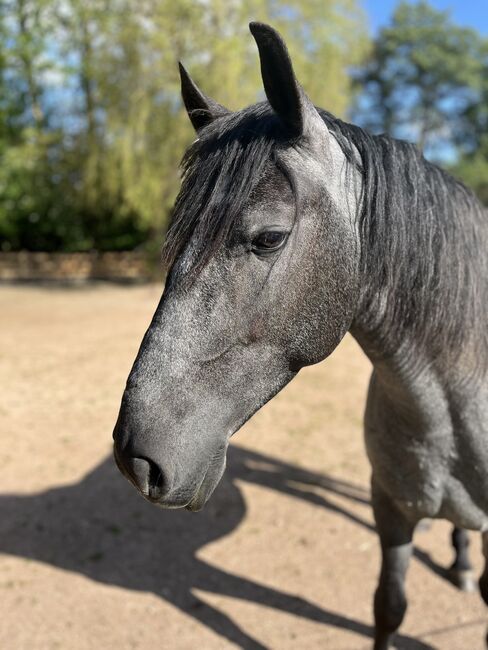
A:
<point x="424" y="283"/>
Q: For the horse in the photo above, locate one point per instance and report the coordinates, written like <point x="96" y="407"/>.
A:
<point x="291" y="228"/>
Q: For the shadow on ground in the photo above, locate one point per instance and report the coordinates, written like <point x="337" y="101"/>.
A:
<point x="98" y="526"/>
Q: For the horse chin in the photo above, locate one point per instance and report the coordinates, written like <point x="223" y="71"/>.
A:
<point x="197" y="503"/>
<point x="200" y="499"/>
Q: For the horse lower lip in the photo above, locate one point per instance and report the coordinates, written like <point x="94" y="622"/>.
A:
<point x="196" y="503"/>
<point x="169" y="504"/>
<point x="165" y="505"/>
<point x="192" y="506"/>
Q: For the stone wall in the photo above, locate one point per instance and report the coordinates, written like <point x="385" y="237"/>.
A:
<point x="74" y="267"/>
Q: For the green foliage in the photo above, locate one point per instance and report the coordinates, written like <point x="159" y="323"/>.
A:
<point x="92" y="127"/>
<point x="422" y="75"/>
<point x="473" y="171"/>
<point x="37" y="210"/>
<point x="472" y="167"/>
<point x="426" y="81"/>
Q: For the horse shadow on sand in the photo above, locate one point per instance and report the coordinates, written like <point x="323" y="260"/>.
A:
<point x="98" y="526"/>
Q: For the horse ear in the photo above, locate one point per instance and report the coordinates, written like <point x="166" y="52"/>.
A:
<point x="283" y="91"/>
<point x="201" y="109"/>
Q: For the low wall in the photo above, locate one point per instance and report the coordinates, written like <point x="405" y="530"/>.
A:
<point x="74" y="267"/>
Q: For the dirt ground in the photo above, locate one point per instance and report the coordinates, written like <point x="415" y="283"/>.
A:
<point x="284" y="555"/>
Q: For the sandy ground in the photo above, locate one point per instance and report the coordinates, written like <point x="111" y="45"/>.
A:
<point x="284" y="555"/>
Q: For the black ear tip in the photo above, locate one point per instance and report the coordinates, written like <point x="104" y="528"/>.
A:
<point x="254" y="26"/>
<point x="187" y="83"/>
<point x="267" y="37"/>
<point x="258" y="30"/>
<point x="183" y="72"/>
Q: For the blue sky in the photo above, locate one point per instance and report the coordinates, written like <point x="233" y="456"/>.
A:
<point x="471" y="13"/>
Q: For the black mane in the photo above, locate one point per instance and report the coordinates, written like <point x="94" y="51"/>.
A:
<point x="424" y="236"/>
<point x="420" y="229"/>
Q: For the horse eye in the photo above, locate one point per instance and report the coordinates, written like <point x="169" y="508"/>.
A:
<point x="268" y="241"/>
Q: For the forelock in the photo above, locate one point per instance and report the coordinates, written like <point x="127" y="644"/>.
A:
<point x="220" y="170"/>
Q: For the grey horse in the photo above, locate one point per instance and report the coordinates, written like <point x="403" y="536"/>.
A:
<point x="291" y="228"/>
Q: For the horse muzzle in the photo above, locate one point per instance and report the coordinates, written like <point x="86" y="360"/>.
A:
<point x="156" y="483"/>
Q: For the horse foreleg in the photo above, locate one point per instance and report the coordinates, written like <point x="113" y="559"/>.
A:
<point x="461" y="570"/>
<point x="395" y="533"/>
<point x="483" y="581"/>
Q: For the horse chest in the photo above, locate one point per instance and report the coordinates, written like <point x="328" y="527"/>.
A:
<point x="413" y="473"/>
<point x="432" y="467"/>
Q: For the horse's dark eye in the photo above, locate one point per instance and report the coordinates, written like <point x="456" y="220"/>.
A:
<point x="267" y="242"/>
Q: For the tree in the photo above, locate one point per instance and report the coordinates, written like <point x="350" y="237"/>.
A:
<point x="472" y="167"/>
<point x="423" y="74"/>
<point x="94" y="127"/>
<point x="473" y="170"/>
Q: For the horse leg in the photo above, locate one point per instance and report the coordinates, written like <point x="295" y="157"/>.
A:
<point x="461" y="570"/>
<point x="395" y="533"/>
<point x="483" y="581"/>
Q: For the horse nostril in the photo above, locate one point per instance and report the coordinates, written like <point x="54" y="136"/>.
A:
<point x="147" y="476"/>
<point x="156" y="481"/>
